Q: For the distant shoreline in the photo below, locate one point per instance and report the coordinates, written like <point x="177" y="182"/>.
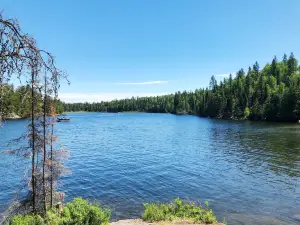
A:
<point x="17" y="117"/>
<point x="73" y="112"/>
<point x="187" y="114"/>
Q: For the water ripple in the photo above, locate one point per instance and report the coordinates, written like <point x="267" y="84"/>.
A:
<point x="248" y="171"/>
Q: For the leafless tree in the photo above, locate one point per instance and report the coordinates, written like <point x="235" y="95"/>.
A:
<point x="20" y="57"/>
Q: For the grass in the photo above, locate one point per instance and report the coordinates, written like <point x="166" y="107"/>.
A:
<point x="179" y="211"/>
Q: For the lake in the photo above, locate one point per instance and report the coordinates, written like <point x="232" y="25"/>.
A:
<point x="248" y="171"/>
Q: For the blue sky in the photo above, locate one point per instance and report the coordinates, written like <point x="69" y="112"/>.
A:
<point x="121" y="48"/>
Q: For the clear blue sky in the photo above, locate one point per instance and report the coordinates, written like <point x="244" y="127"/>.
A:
<point x="114" y="49"/>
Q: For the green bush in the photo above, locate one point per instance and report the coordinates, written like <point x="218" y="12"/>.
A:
<point x="52" y="218"/>
<point x="77" y="212"/>
<point x="80" y="212"/>
<point x="155" y="212"/>
<point x="26" y="220"/>
<point x="178" y="210"/>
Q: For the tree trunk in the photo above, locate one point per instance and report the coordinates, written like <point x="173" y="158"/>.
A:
<point x="33" y="142"/>
<point x="44" y="142"/>
<point x="51" y="181"/>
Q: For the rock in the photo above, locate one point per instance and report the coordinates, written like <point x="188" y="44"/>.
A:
<point x="13" y="116"/>
<point x="297" y="217"/>
<point x="141" y="222"/>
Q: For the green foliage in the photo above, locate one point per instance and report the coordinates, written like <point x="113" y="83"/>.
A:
<point x="178" y="210"/>
<point x="157" y="212"/>
<point x="53" y="218"/>
<point x="246" y="112"/>
<point x="17" y="101"/>
<point x="26" y="220"/>
<point x="82" y="212"/>
<point x="77" y="212"/>
<point x="269" y="94"/>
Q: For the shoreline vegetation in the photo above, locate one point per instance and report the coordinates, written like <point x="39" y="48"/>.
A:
<point x="16" y="103"/>
<point x="268" y="94"/>
<point x="82" y="212"/>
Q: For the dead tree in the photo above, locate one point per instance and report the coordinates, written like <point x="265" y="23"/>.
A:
<point x="57" y="155"/>
<point x="45" y="141"/>
<point x="17" y="52"/>
<point x="20" y="57"/>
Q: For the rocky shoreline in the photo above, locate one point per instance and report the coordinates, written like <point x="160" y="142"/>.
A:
<point x="141" y="222"/>
<point x="13" y="116"/>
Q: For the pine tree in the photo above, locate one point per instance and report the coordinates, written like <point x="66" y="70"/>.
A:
<point x="273" y="69"/>
<point x="292" y="64"/>
<point x="284" y="59"/>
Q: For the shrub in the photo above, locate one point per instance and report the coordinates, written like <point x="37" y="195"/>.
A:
<point x="156" y="212"/>
<point x="77" y="212"/>
<point x="52" y="218"/>
<point x="81" y="212"/>
<point x="26" y="220"/>
<point x="178" y="210"/>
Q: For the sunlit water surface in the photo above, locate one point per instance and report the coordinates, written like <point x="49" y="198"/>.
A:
<point x="248" y="171"/>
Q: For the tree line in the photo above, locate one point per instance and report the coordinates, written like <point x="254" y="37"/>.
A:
<point x="17" y="101"/>
<point x="271" y="93"/>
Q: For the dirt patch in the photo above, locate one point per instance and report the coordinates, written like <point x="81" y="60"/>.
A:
<point x="141" y="222"/>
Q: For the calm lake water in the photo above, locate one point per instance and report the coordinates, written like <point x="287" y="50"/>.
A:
<point x="248" y="171"/>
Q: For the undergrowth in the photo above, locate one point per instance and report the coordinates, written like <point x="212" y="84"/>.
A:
<point x="77" y="212"/>
<point x="179" y="210"/>
<point x="82" y="212"/>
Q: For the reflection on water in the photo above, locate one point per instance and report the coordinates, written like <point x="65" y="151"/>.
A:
<point x="248" y="171"/>
<point x="275" y="148"/>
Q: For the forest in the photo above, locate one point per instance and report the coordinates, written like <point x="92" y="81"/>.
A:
<point x="271" y="93"/>
<point x="17" y="101"/>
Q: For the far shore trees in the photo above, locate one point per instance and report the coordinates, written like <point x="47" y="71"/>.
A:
<point x="272" y="94"/>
